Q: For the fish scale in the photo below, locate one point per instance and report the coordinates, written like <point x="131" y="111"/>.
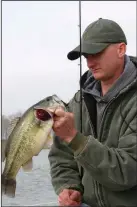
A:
<point x="23" y="153"/>
<point x="22" y="135"/>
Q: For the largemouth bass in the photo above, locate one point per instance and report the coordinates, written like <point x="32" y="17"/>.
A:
<point x="28" y="135"/>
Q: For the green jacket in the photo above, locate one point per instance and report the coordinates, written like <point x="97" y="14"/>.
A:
<point x="103" y="168"/>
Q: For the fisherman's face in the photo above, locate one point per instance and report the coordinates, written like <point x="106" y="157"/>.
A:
<point x="105" y="65"/>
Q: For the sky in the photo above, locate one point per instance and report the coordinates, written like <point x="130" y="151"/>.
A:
<point x="36" y="38"/>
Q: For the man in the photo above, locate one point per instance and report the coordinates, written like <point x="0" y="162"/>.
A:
<point x="99" y="166"/>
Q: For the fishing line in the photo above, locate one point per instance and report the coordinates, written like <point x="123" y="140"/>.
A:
<point x="80" y="64"/>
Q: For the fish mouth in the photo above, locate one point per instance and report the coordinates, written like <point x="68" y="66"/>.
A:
<point x="43" y="114"/>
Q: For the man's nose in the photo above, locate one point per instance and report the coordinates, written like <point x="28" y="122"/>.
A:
<point x="90" y="62"/>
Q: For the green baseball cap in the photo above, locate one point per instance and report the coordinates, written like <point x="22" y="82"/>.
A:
<point x="97" y="36"/>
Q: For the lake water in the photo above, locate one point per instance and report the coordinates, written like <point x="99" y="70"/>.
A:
<point x="34" y="188"/>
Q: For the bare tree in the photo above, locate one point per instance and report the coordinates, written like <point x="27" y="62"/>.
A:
<point x="6" y="122"/>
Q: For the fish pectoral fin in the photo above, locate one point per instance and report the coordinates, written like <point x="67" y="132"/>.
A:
<point x="49" y="140"/>
<point x="27" y="167"/>
<point x="48" y="143"/>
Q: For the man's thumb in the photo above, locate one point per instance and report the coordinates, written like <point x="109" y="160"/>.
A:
<point x="59" y="111"/>
<point x="75" y="195"/>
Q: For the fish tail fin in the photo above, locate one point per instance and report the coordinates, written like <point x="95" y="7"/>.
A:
<point x="8" y="186"/>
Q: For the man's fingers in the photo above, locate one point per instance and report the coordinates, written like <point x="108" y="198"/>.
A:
<point x="59" y="112"/>
<point x="63" y="196"/>
<point x="66" y="199"/>
<point x="68" y="202"/>
<point x="56" y="118"/>
<point x="58" y="123"/>
<point x="75" y="196"/>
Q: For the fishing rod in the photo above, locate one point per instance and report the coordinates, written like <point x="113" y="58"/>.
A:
<point x="80" y="64"/>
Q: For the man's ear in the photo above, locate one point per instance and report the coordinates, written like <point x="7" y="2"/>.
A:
<point x="121" y="49"/>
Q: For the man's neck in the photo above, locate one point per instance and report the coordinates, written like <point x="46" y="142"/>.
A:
<point x="105" y="86"/>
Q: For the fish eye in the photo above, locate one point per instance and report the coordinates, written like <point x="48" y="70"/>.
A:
<point x="48" y="99"/>
<point x="42" y="115"/>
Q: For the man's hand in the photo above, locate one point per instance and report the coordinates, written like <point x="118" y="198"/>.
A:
<point x="64" y="126"/>
<point x="69" y="197"/>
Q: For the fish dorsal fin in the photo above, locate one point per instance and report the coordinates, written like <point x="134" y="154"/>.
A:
<point x="12" y="125"/>
<point x="5" y="144"/>
<point x="3" y="147"/>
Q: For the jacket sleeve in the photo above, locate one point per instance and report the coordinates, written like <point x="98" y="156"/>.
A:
<point x="115" y="168"/>
<point x="63" y="168"/>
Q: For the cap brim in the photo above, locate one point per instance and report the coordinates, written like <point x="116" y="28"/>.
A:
<point x="91" y="48"/>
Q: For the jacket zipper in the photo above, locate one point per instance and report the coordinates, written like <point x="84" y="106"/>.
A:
<point x="104" y="113"/>
<point x="99" y="137"/>
<point x="92" y="127"/>
<point x="95" y="190"/>
<point x="99" y="197"/>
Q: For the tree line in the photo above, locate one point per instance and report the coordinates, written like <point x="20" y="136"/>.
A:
<point x="6" y="122"/>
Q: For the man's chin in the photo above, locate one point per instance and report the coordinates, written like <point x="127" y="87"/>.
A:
<point x="98" y="77"/>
